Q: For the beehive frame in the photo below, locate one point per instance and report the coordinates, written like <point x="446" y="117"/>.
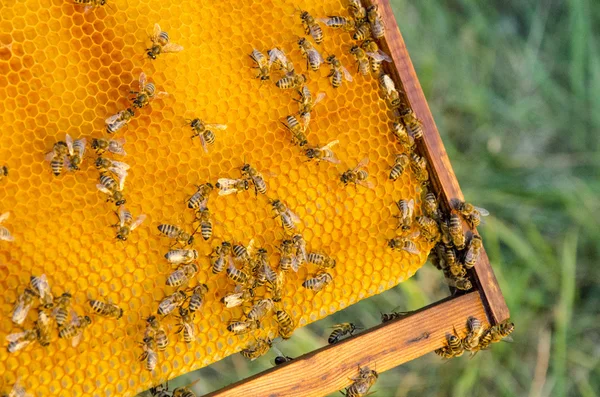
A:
<point x="388" y="345"/>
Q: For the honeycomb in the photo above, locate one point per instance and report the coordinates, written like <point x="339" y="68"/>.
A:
<point x="65" y="70"/>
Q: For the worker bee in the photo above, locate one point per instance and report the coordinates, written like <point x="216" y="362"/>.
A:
<point x="374" y="18"/>
<point x="277" y="57"/>
<point x="456" y="231"/>
<point x="237" y="275"/>
<point x="242" y="327"/>
<point x="199" y="200"/>
<point x="429" y="228"/>
<point x="76" y="151"/>
<point x="260" y="309"/>
<point x="182" y="275"/>
<point x="206" y="226"/>
<point x="149" y="355"/>
<point x="101" y="145"/>
<point x="400" y="164"/>
<point x="186" y="325"/>
<point x="262" y="64"/>
<point x="337" y="22"/>
<point x="318" y="282"/>
<point x="471" y="341"/>
<point x="463" y="284"/>
<point x="341" y="330"/>
<point x="171" y="302"/>
<point x="362" y="31"/>
<point x="61" y="309"/>
<point x="197" y="298"/>
<point x="286" y="324"/>
<point x="20" y="340"/>
<point x="415" y="129"/>
<point x="117" y="121"/>
<point x="455" y="270"/>
<point x="473" y="252"/>
<point x="291" y="81"/>
<point x="183" y="392"/>
<point x="288" y="218"/>
<point x="405" y="243"/>
<point x="430" y="206"/>
<point x="356" y="9"/>
<point x="5" y="234"/>
<point x="419" y="168"/>
<point x="146" y="93"/>
<point x="57" y="157"/>
<point x="228" y="186"/>
<point x="89" y="4"/>
<point x="260" y="186"/>
<point x="257" y="349"/>
<point x="385" y="317"/>
<point x="176" y="233"/>
<point x="23" y="305"/>
<point x="44" y="328"/>
<point x="41" y="288"/>
<point x="361" y="384"/>
<point x="239" y="296"/>
<point x="401" y="134"/>
<point x="288" y="258"/>
<point x="275" y="287"/>
<point x="471" y="214"/>
<point x="74" y="330"/>
<point x="262" y="271"/>
<point x="205" y="132"/>
<point x="358" y="175"/>
<point x="118" y="168"/>
<point x="281" y="359"/>
<point x="126" y="223"/>
<point x="156" y="331"/>
<point x="452" y="349"/>
<point x="17" y="390"/>
<point x="105" y="309"/>
<point x="297" y="128"/>
<point x="160" y="391"/>
<point x="160" y="43"/>
<point x="220" y="257"/>
<point x="179" y="256"/>
<point x="390" y="93"/>
<point x="502" y="331"/>
<point x="407" y="209"/>
<point x="377" y="57"/>
<point x="306" y="102"/>
<point x="338" y="72"/>
<point x="313" y="58"/>
<point x="241" y="253"/>
<point x="362" y="60"/>
<point x="324" y="153"/>
<point x="300" y="245"/>
<point x="3" y="172"/>
<point x="109" y="186"/>
<point x="321" y="260"/>
<point x="311" y="26"/>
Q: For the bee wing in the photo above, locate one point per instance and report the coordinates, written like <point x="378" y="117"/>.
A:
<point x="161" y="94"/>
<point x="172" y="47"/>
<point x="75" y="320"/>
<point x="143" y="75"/>
<point x="49" y="156"/>
<point x="482" y="211"/>
<point x="305" y="119"/>
<point x="16" y="336"/>
<point x="155" y="32"/>
<point x="20" y="311"/>
<point x="363" y="163"/>
<point x="6" y="234"/>
<point x="217" y="126"/>
<point x="367" y="184"/>
<point x="305" y="91"/>
<point x="347" y="74"/>
<point x="81" y="144"/>
<point x="313" y="32"/>
<point x="138" y="221"/>
<point x="330" y="145"/>
<point x="69" y="141"/>
<point x="77" y="339"/>
<point x="414" y="235"/>
<point x="319" y="98"/>
<point x="103" y="189"/>
<point x="119" y="165"/>
<point x="277" y="54"/>
<point x="384" y="56"/>
<point x="295" y="218"/>
<point x="203" y="142"/>
<point x="411" y="208"/>
<point x="4" y="216"/>
<point x="411" y="249"/>
<point x="112" y="118"/>
<point x="316" y="54"/>
<point x="251" y="247"/>
<point x="295" y="263"/>
<point x="122" y="215"/>
<point x="45" y="288"/>
<point x="116" y="146"/>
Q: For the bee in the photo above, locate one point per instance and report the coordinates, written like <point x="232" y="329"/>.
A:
<point x="179" y="256"/>
<point x="18" y="341"/>
<point x="160" y="391"/>
<point x="220" y="257"/>
<point x="470" y="213"/>
<point x="263" y="271"/>
<point x="205" y="132"/>
<point x="463" y="284"/>
<point x="4" y="232"/>
<point x="361" y="385"/>
<point x="358" y="175"/>
<point x="43" y="325"/>
<point x="260" y="309"/>
<point x="430" y="206"/>
<point x="197" y="298"/>
<point x="415" y="129"/>
<point x="237" y="275"/>
<point x="385" y="317"/>
<point x="374" y="18"/>
<point x="171" y="302"/>
<point x="260" y="186"/>
<point x="362" y="32"/>
<point x="362" y="60"/>
<point x="259" y="348"/>
<point x="109" y="186"/>
<point x="146" y="93"/>
<point x="300" y="245"/>
<point x="324" y="153"/>
<point x="89" y="4"/>
<point x="228" y="186"/>
<point x="313" y="58"/>
<point x="101" y="145"/>
<point x="473" y="251"/>
<point x="242" y="327"/>
<point x="199" y="200"/>
<point x="176" y="233"/>
<point x="341" y="330"/>
<point x="276" y="286"/>
<point x="419" y="167"/>
<point x="61" y="311"/>
<point x="401" y="134"/>
<point x="455" y="270"/>
<point x="186" y="325"/>
<point x="377" y="57"/>
<point x="338" y="72"/>
<point x="117" y="121"/>
<point x="240" y="253"/>
<point x="453" y="348"/>
<point x="149" y="355"/>
<point x="400" y="164"/>
<point x="17" y="391"/>
<point x="311" y="26"/>
<point x="318" y="282"/>
<point x="471" y="341"/>
<point x="281" y="359"/>
<point x="456" y="231"/>
<point x="356" y="9"/>
<point x="41" y="288"/>
<point x="390" y="93"/>
<point x="57" y="157"/>
<point x="106" y="309"/>
<point x="288" y="258"/>
<point x="288" y="218"/>
<point x="3" y="172"/>
<point x="306" y="102"/>
<point x="407" y="209"/>
<point x="277" y="57"/>
<point x="23" y="305"/>
<point x="157" y="332"/>
<point x="126" y="223"/>
<point x="183" y="392"/>
<point x="74" y="330"/>
<point x="337" y="22"/>
<point x="321" y="260"/>
<point x="286" y="324"/>
<point x="291" y="81"/>
<point x="76" y="151"/>
<point x="429" y="229"/>
<point x="297" y="128"/>
<point x="161" y="44"/>
<point x="239" y="296"/>
<point x="501" y="331"/>
<point x="262" y="64"/>
<point x="182" y="275"/>
<point x="405" y="243"/>
<point x="118" y="168"/>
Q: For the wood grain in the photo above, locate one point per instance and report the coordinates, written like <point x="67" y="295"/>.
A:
<point x="384" y="347"/>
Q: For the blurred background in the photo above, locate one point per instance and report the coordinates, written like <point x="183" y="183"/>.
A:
<point x="514" y="87"/>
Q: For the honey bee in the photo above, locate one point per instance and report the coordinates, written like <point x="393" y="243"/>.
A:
<point x="456" y="231"/>
<point x="197" y="298"/>
<point x="23" y="305"/>
<point x="126" y="223"/>
<point x="502" y="331"/>
<point x="106" y="309"/>
<point x="405" y="218"/>
<point x="405" y="243"/>
<point x="313" y="58"/>
<point x="3" y="172"/>
<point x="179" y="256"/>
<point x="18" y="341"/>
<point x="260" y="186"/>
<point x="430" y="206"/>
<point x="57" y="157"/>
<point x="321" y="260"/>
<point x="257" y="349"/>
<point x="146" y="93"/>
<point x="356" y="9"/>
<point x="176" y="233"/>
<point x="455" y="270"/>
<point x="237" y="275"/>
<point x="171" y="302"/>
<point x="385" y="317"/>
<point x="228" y="186"/>
<point x="160" y="391"/>
<point x="429" y="229"/>
<point x="362" y="60"/>
<point x="116" y="167"/>
<point x="377" y="57"/>
<point x="282" y="359"/>
<point x="117" y="121"/>
<point x="300" y="245"/>
<point x="288" y="258"/>
<point x="415" y="129"/>
<point x="74" y="330"/>
<point x="205" y="132"/>
<point x="452" y="349"/>
<point x="109" y="186"/>
<point x="341" y="330"/>
<point x="277" y="57"/>
<point x="401" y="134"/>
<point x="361" y="385"/>
<point x="41" y="288"/>
<point x="288" y="218"/>
<point x="161" y="44"/>
<point x="242" y="327"/>
<point x="183" y="392"/>
<point x="157" y="332"/>
<point x="101" y="145"/>
<point x="374" y="18"/>
<point x="338" y="72"/>
<point x="471" y="214"/>
<point x="291" y="81"/>
<point x="337" y="22"/>
<point x="199" y="200"/>
<point x="182" y="275"/>
<point x="419" y="167"/>
<point x="318" y="282"/>
<point x="400" y="164"/>
<point x="206" y="226"/>
<point x="297" y="128"/>
<point x="240" y="253"/>
<point x="358" y="175"/>
<point x="463" y="284"/>
<point x="260" y="309"/>
<point x="220" y="257"/>
<point x="473" y="251"/>
<point x="311" y="26"/>
<point x="61" y="310"/>
<point x="390" y="93"/>
<point x="262" y="270"/>
<point x="306" y="102"/>
<point x="276" y="286"/>
<point x="186" y="325"/>
<point x="262" y="64"/>
<point x="362" y="31"/>
<point x="4" y="232"/>
<point x="89" y="4"/>
<point x="149" y="355"/>
<point x="17" y="390"/>
<point x="76" y="151"/>
<point x="471" y="341"/>
<point x="286" y="324"/>
<point x="238" y="297"/>
<point x="324" y="153"/>
<point x="44" y="328"/>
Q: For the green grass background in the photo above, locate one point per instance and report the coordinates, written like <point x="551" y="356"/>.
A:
<point x="514" y="87"/>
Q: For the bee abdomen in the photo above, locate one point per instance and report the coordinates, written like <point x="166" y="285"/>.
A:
<point x="206" y="230"/>
<point x="169" y="230"/>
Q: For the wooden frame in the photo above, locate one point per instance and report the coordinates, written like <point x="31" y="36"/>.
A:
<point x="388" y="345"/>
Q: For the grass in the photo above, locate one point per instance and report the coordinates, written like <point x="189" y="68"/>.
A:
<point x="513" y="86"/>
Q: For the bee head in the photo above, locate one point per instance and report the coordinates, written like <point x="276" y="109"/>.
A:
<point x="190" y="240"/>
<point x="151" y="54"/>
<point x="87" y="320"/>
<point x="120" y="313"/>
<point x="120" y="202"/>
